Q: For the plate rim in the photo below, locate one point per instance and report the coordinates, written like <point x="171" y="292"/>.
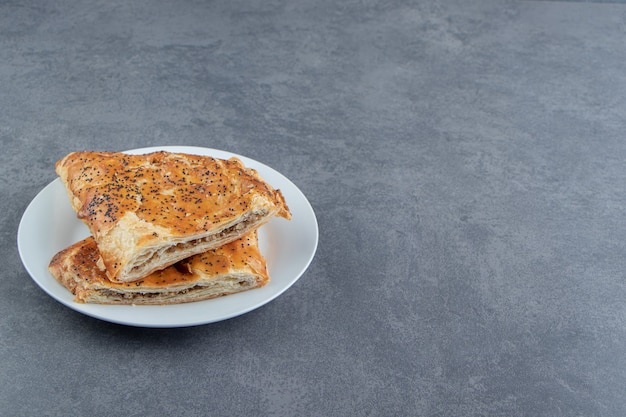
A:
<point x="88" y="309"/>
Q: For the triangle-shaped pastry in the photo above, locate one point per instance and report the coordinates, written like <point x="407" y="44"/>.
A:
<point x="235" y="267"/>
<point x="149" y="211"/>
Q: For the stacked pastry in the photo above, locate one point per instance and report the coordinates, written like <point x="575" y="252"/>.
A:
<point x="165" y="228"/>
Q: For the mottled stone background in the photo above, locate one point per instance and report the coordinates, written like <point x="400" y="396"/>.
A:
<point x="466" y="161"/>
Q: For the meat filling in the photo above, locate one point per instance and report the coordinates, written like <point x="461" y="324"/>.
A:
<point x="182" y="246"/>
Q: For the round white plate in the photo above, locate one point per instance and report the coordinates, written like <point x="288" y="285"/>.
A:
<point x="49" y="224"/>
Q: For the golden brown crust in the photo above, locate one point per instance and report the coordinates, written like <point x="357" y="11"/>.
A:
<point x="234" y="267"/>
<point x="149" y="211"/>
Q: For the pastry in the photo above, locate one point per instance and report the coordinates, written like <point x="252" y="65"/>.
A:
<point x="235" y="267"/>
<point x="146" y="212"/>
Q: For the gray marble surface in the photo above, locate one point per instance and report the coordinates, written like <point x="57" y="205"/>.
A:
<point x="466" y="161"/>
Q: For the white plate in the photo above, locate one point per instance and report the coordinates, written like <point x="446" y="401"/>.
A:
<point x="49" y="224"/>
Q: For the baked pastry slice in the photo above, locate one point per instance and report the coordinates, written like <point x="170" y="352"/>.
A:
<point x="232" y="268"/>
<point x="149" y="211"/>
